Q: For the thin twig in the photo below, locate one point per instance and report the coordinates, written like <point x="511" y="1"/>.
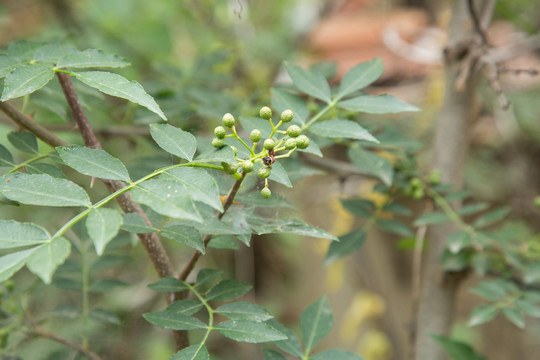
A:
<point x="476" y="21"/>
<point x="39" y="331"/>
<point x="29" y="124"/>
<point x="226" y="204"/>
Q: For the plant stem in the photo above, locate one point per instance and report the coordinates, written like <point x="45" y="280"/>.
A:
<point x="85" y="293"/>
<point x="29" y="161"/>
<point x="226" y="204"/>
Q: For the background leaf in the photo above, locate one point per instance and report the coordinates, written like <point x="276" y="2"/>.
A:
<point x="91" y="58"/>
<point x="116" y="85"/>
<point x="283" y="100"/>
<point x="482" y="314"/>
<point x="346" y="245"/>
<point x="11" y="263"/>
<point x="25" y="80"/>
<point x="168" y="284"/>
<point x="372" y="164"/>
<point x="457" y="350"/>
<point x="315" y="323"/>
<point x="24" y="141"/>
<point x="184" y="235"/>
<point x="270" y="354"/>
<point x="15" y="234"/>
<point x="174" y="140"/>
<point x="336" y="355"/>
<point x="102" y="225"/>
<point x="93" y="162"/>
<point x="41" y="189"/>
<point x="48" y="257"/>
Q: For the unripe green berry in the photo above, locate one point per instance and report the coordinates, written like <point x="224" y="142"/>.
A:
<point x="302" y="142"/>
<point x="294" y="131"/>
<point x="264" y="172"/>
<point x="232" y="169"/>
<point x="266" y="193"/>
<point x="255" y="135"/>
<point x="290" y="144"/>
<point x="287" y="116"/>
<point x="237" y="176"/>
<point x="248" y="166"/>
<point x="220" y="132"/>
<point x="265" y="113"/>
<point x="218" y="143"/>
<point x="269" y="144"/>
<point x="228" y="120"/>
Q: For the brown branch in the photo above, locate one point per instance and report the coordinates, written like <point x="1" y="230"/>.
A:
<point x="476" y="21"/>
<point x="226" y="204"/>
<point x="39" y="331"/>
<point x="29" y="124"/>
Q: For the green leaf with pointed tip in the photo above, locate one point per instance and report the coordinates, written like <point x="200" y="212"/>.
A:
<point x="166" y="198"/>
<point x="490" y="290"/>
<point x="225" y="154"/>
<point x="174" y="140"/>
<point x="346" y="245"/>
<point x="227" y="290"/>
<point x="431" y="219"/>
<point x="11" y="263"/>
<point x="311" y="83"/>
<point x="316" y="322"/>
<point x="6" y="159"/>
<point x="193" y="352"/>
<point x="270" y="354"/>
<point x="531" y="273"/>
<point x="200" y="185"/>
<point x="457" y="350"/>
<point x="24" y="141"/>
<point x="15" y="234"/>
<point x="291" y="345"/>
<point x="186" y="235"/>
<point x="279" y="174"/>
<point x="23" y="49"/>
<point x="187" y="307"/>
<point x="528" y="308"/>
<point x="173" y="320"/>
<point x="106" y="285"/>
<point x="104" y="316"/>
<point x="283" y="100"/>
<point x="53" y="52"/>
<point x="41" y="189"/>
<point x="102" y="225"/>
<point x="48" y="257"/>
<point x="119" y="86"/>
<point x="359" y="207"/>
<point x="360" y="76"/>
<point x="8" y="64"/>
<point x="44" y="168"/>
<point x="243" y="310"/>
<point x="491" y="217"/>
<point x="340" y="128"/>
<point x="382" y="104"/>
<point x="91" y="58"/>
<point x="249" y="331"/>
<point x="394" y="227"/>
<point x="372" y="164"/>
<point x="93" y="162"/>
<point x="168" y="284"/>
<point x="514" y="316"/>
<point x="336" y="355"/>
<point x="206" y="278"/>
<point x="482" y="314"/>
<point x="25" y="80"/>
<point x="135" y="223"/>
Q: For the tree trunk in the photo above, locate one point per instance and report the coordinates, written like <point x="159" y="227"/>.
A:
<point x="436" y="306"/>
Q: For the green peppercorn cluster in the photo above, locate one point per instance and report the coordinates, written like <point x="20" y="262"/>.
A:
<point x="279" y="144"/>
